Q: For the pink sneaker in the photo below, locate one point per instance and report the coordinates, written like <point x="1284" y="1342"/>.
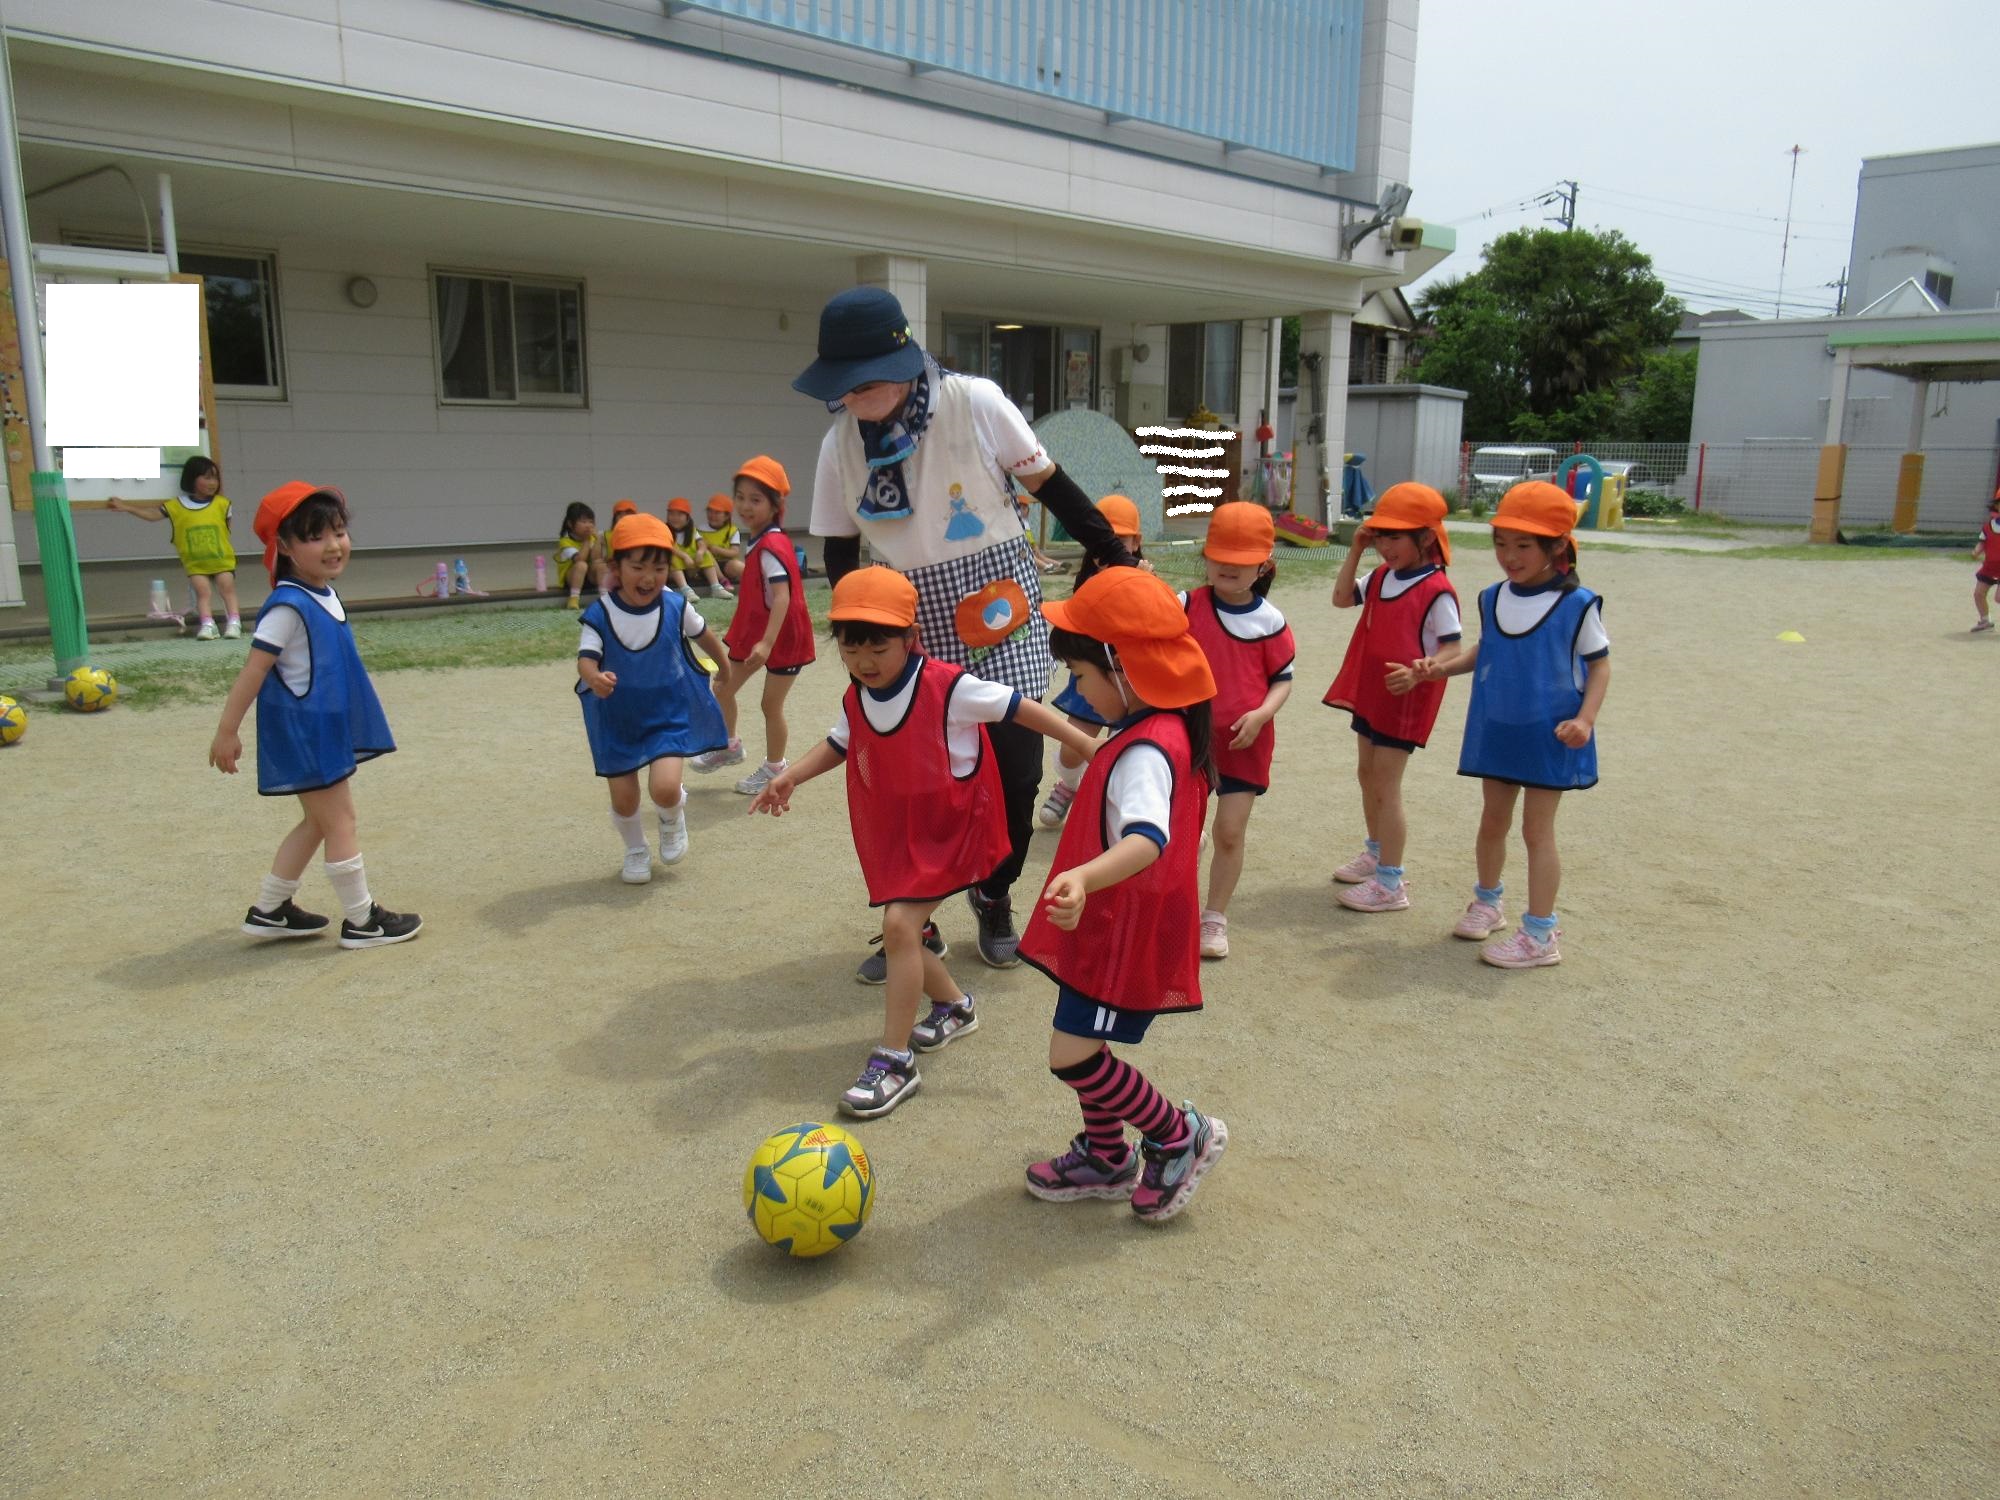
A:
<point x="1372" y="895"/>
<point x="1214" y="935"/>
<point x="1481" y="920"/>
<point x="1522" y="951"/>
<point x="1357" y="869"/>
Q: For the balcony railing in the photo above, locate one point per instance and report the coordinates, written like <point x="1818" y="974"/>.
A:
<point x="1281" y="76"/>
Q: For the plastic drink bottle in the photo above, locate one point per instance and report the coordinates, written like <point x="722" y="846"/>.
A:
<point x="461" y="577"/>
<point x="541" y="574"/>
<point x="443" y="590"/>
<point x="161" y="604"/>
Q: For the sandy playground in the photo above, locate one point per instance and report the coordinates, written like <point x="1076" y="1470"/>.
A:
<point x="1708" y="1210"/>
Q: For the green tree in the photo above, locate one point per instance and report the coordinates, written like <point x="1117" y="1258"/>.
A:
<point x="1551" y="322"/>
<point x="1660" y="407"/>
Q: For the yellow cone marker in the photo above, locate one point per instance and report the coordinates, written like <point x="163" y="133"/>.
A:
<point x="1791" y="635"/>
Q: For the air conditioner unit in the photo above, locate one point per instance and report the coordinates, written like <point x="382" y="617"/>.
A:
<point x="1407" y="234"/>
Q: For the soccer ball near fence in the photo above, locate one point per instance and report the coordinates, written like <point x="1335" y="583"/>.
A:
<point x="89" y="689"/>
<point x="13" y="721"/>
<point x="809" y="1189"/>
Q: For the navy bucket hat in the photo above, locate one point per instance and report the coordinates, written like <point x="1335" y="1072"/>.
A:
<point x="863" y="336"/>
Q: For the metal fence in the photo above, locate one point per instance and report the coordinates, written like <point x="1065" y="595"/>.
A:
<point x="1768" y="480"/>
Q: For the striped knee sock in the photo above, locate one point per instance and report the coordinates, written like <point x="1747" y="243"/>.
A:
<point x="1110" y="1090"/>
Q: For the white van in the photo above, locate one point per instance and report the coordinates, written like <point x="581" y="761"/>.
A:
<point x="1497" y="469"/>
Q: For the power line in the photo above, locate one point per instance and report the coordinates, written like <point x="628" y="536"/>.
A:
<point x="1714" y="208"/>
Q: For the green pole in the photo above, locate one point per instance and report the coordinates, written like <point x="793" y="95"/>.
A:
<point x="62" y="580"/>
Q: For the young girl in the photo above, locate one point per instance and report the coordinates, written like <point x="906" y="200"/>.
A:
<point x="1409" y="612"/>
<point x="924" y="799"/>
<point x="721" y="541"/>
<point x="198" y="520"/>
<point x="771" y="630"/>
<point x="1116" y="926"/>
<point x="1250" y="649"/>
<point x="317" y="719"/>
<point x="579" y="552"/>
<point x="1124" y="518"/>
<point x="646" y="701"/>
<point x="1987" y="550"/>
<point x="688" y="549"/>
<point x="1542" y="664"/>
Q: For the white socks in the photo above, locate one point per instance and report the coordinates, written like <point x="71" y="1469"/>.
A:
<point x="1069" y="775"/>
<point x="273" y="892"/>
<point x="665" y="814"/>
<point x="350" y="888"/>
<point x="631" y="829"/>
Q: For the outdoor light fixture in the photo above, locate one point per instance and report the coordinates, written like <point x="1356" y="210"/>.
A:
<point x="361" y="291"/>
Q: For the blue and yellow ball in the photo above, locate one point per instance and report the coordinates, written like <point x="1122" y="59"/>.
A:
<point x="89" y="690"/>
<point x="13" y="721"/>
<point x="809" y="1189"/>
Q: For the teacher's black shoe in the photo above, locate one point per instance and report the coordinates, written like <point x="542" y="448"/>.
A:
<point x="997" y="938"/>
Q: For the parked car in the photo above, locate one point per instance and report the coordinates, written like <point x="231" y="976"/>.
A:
<point x="1495" y="470"/>
<point x="1637" y="476"/>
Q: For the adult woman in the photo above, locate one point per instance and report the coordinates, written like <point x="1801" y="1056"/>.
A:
<point x="922" y="462"/>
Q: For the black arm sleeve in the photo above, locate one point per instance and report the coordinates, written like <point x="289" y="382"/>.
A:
<point x="1081" y="519"/>
<point x="841" y="554"/>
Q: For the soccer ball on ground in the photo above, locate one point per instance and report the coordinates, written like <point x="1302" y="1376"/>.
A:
<point x="89" y="689"/>
<point x="13" y="721"/>
<point x="809" y="1189"/>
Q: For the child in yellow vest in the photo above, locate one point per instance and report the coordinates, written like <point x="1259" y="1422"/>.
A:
<point x="198" y="518"/>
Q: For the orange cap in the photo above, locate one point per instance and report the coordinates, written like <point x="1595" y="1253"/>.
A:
<point x="640" y="530"/>
<point x="720" y="502"/>
<point x="766" y="471"/>
<point x="1138" y="617"/>
<point x="274" y="507"/>
<point x="1240" y="532"/>
<point x="1122" y="514"/>
<point x="1538" y="508"/>
<point x="877" y="596"/>
<point x="1410" y="506"/>
<point x="623" y="508"/>
<point x="681" y="503"/>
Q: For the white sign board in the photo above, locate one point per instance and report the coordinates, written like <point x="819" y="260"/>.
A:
<point x="123" y="365"/>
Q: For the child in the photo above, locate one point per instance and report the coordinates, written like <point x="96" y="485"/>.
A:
<point x="317" y="718"/>
<point x="924" y="799"/>
<point x="688" y="549"/>
<point x="1409" y="612"/>
<point x="1542" y="665"/>
<point x="771" y="629"/>
<point x="1124" y="518"/>
<point x="1250" y="650"/>
<point x="198" y="521"/>
<point x="646" y="701"/>
<point x="1987" y="550"/>
<point x="579" y="553"/>
<point x="1116" y="929"/>
<point x="721" y="541"/>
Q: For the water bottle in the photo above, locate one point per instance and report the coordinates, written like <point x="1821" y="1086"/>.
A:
<point x="541" y="574"/>
<point x="162" y="606"/>
<point x="461" y="577"/>
<point x="443" y="589"/>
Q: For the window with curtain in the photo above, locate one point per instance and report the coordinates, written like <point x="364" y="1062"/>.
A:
<point x="239" y="293"/>
<point x="508" y="340"/>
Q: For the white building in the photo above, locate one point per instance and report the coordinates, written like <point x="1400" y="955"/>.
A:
<point x="471" y="261"/>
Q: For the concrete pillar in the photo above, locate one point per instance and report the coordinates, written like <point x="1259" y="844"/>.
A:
<point x="1832" y="455"/>
<point x="1319" y="444"/>
<point x="1910" y="473"/>
<point x="907" y="278"/>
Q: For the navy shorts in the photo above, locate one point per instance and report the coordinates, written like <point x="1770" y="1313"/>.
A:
<point x="775" y="671"/>
<point x="1376" y="737"/>
<point x="1224" y="785"/>
<point x="1984" y="579"/>
<point x="1076" y="1016"/>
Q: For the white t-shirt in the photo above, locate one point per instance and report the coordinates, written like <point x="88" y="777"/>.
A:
<point x="1258" y="620"/>
<point x="1140" y="792"/>
<point x="1006" y="442"/>
<point x="1521" y="612"/>
<point x="282" y="632"/>
<point x="634" y="629"/>
<point x="974" y="701"/>
<point x="1441" y="621"/>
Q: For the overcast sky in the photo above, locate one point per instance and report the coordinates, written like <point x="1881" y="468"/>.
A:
<point x="1677" y="120"/>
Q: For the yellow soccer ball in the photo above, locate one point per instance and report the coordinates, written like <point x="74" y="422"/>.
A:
<point x="809" y="1189"/>
<point x="90" y="689"/>
<point x="13" y="721"/>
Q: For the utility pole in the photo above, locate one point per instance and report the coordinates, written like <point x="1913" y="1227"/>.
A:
<point x="1567" y="216"/>
<point x="1785" y="249"/>
<point x="1839" y="292"/>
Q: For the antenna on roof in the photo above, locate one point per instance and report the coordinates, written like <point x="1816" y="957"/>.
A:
<point x="1785" y="249"/>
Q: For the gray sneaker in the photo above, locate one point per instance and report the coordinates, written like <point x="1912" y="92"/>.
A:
<point x="715" y="760"/>
<point x="997" y="938"/>
<point x="874" y="968"/>
<point x="885" y="1083"/>
<point x="760" y="778"/>
<point x="944" y="1025"/>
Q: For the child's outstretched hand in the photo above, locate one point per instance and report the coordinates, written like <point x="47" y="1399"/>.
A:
<point x="1063" y="896"/>
<point x="1400" y="679"/>
<point x="776" y="798"/>
<point x="1574" y="733"/>
<point x="224" y="751"/>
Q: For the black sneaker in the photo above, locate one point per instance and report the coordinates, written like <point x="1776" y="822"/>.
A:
<point x="283" y="921"/>
<point x="875" y="967"/>
<point x="382" y="928"/>
<point x="997" y="938"/>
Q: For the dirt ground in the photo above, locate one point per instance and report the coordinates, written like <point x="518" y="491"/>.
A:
<point x="1708" y="1210"/>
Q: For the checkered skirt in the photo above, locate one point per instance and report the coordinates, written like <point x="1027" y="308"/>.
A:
<point x="1021" y="661"/>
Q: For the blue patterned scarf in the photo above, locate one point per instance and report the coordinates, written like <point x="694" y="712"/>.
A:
<point x="888" y="444"/>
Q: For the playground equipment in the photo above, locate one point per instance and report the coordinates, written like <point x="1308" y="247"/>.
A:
<point x="1601" y="495"/>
